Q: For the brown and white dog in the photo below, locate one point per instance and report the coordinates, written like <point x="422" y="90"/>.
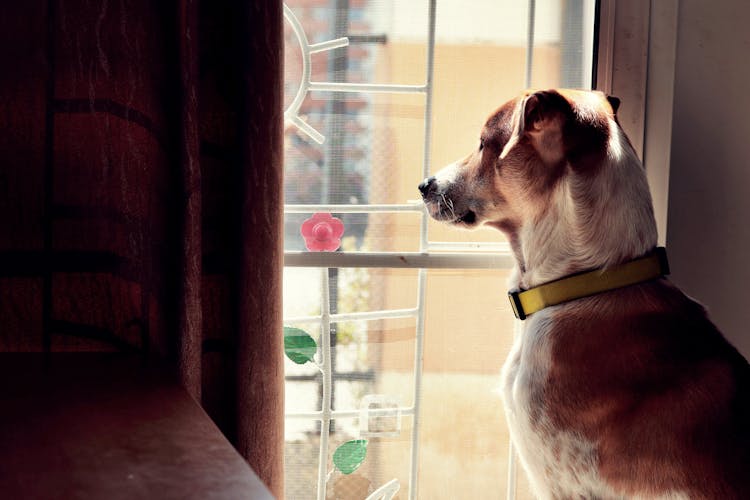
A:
<point x="630" y="393"/>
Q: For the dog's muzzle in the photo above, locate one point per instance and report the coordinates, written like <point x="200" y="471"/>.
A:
<point x="441" y="206"/>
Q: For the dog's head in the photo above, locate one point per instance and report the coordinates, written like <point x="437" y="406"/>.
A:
<point x="550" y="165"/>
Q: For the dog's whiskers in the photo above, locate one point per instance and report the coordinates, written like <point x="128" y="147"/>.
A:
<point x="448" y="204"/>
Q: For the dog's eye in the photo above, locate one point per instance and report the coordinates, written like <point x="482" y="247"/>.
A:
<point x="481" y="144"/>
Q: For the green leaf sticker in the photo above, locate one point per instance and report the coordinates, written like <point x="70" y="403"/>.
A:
<point x="299" y="346"/>
<point x="349" y="456"/>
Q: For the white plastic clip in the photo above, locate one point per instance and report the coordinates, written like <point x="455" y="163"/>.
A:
<point x="379" y="416"/>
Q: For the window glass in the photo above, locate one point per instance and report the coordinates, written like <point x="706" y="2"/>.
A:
<point x="409" y="382"/>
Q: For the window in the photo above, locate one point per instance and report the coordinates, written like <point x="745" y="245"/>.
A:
<point x="408" y="322"/>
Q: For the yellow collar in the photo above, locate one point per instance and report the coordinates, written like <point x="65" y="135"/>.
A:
<point x="527" y="302"/>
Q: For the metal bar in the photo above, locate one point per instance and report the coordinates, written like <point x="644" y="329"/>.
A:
<point x="357" y="316"/>
<point x="530" y="41"/>
<point x="325" y="425"/>
<point x="413" y="260"/>
<point x="328" y="45"/>
<point x="381" y="88"/>
<point x="467" y="246"/>
<point x="299" y="31"/>
<point x="379" y="38"/>
<point x="333" y="169"/>
<point x="512" y="471"/>
<point x="308" y="129"/>
<point x="423" y="239"/>
<point x="571" y="42"/>
<point x="427" y="146"/>
<point x="354" y="209"/>
<point x="318" y="415"/>
<point x="373" y="315"/>
<point x="347" y="376"/>
<point x="512" y="459"/>
<point x="417" y="398"/>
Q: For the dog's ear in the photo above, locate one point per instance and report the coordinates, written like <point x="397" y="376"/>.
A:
<point x="541" y="118"/>
<point x="543" y="109"/>
<point x="614" y="102"/>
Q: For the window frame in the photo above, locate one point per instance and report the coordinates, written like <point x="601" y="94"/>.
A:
<point x="421" y="261"/>
<point x="634" y="56"/>
<point x="635" y="46"/>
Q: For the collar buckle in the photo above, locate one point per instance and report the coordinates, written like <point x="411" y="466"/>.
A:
<point x="515" y="303"/>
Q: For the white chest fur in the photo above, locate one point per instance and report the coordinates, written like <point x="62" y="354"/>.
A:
<point x="559" y="463"/>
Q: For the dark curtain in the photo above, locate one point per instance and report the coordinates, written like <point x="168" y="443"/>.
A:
<point x="140" y="196"/>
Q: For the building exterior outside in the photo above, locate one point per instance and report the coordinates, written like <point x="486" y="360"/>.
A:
<point x="373" y="154"/>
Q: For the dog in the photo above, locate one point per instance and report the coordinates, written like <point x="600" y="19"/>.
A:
<point x="611" y="391"/>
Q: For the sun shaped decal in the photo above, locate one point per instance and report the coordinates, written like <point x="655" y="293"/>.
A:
<point x="291" y="114"/>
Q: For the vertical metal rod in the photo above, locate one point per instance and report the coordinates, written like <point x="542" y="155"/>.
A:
<point x="530" y="41"/>
<point x="336" y="108"/>
<point x="333" y="192"/>
<point x="511" y="473"/>
<point x="418" y="361"/>
<point x="512" y="459"/>
<point x="423" y="245"/>
<point x="571" y="44"/>
<point x="427" y="151"/>
<point x="325" y="351"/>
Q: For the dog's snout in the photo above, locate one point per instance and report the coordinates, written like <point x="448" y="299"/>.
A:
<point x="427" y="186"/>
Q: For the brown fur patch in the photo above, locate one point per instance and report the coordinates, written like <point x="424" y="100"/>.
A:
<point x="648" y="378"/>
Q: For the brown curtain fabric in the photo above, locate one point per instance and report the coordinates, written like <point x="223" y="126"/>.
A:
<point x="260" y="356"/>
<point x="140" y="196"/>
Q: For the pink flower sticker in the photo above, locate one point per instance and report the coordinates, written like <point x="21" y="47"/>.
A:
<point x="322" y="232"/>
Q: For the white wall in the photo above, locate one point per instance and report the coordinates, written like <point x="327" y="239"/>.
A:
<point x="708" y="231"/>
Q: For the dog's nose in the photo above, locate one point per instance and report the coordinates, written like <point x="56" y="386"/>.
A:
<point x="427" y="186"/>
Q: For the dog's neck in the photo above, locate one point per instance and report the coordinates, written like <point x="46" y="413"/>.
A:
<point x="589" y="223"/>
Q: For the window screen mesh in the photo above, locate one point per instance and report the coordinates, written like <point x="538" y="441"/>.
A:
<point x="374" y="154"/>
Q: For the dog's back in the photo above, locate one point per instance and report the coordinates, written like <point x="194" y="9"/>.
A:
<point x="649" y="398"/>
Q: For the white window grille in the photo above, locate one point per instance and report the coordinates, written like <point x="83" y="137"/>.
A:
<point x="429" y="255"/>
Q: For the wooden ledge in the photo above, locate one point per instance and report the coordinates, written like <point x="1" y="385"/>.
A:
<point x="97" y="426"/>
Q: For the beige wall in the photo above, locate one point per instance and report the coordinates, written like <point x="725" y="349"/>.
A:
<point x="470" y="82"/>
<point x="467" y="318"/>
<point x="469" y="325"/>
<point x="708" y="227"/>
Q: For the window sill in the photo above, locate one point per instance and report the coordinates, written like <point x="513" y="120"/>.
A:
<point x="95" y="425"/>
